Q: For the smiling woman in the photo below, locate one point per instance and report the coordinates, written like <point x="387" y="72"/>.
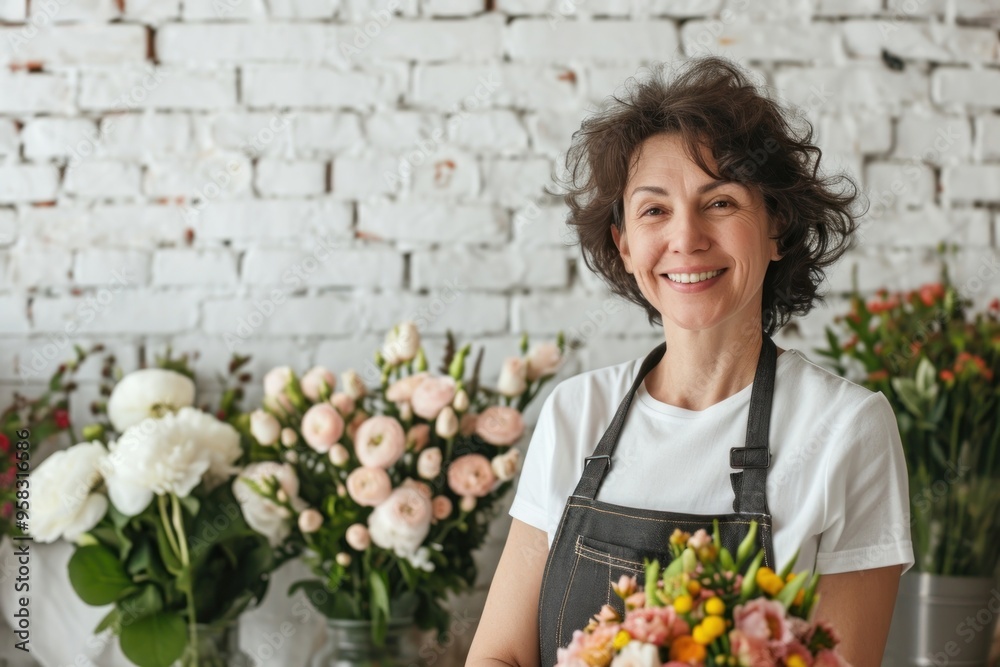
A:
<point x="700" y="199"/>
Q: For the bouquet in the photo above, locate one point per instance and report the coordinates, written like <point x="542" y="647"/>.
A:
<point x="148" y="500"/>
<point x="701" y="610"/>
<point x="387" y="492"/>
<point x="938" y="368"/>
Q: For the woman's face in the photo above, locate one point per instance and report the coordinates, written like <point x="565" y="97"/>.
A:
<point x="698" y="247"/>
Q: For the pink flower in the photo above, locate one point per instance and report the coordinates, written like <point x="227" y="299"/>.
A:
<point x="700" y="539"/>
<point x="422" y="488"/>
<point x="636" y="600"/>
<point x="356" y="421"/>
<point x="830" y="658"/>
<point x="471" y="475"/>
<point x="343" y="402"/>
<point x="275" y="382"/>
<point x="500" y="425"/>
<point x="379" y="442"/>
<point x="655" y="625"/>
<point x="402" y="389"/>
<point x="429" y="463"/>
<point x="432" y="395"/>
<point x="418" y="436"/>
<point x="358" y="537"/>
<point x="322" y="427"/>
<point x="310" y="521"/>
<point x="794" y="647"/>
<point x="467" y="425"/>
<point x="312" y="382"/>
<point x="505" y="465"/>
<point x="543" y="359"/>
<point x="339" y="455"/>
<point x="369" y="486"/>
<point x="761" y="618"/>
<point x="513" y="374"/>
<point x="750" y="651"/>
<point x="442" y="507"/>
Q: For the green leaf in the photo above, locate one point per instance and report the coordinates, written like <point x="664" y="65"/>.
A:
<point x="788" y="566"/>
<point x="906" y="389"/>
<point x="726" y="559"/>
<point x="750" y="578"/>
<point x="787" y="594"/>
<point x="154" y="641"/>
<point x="331" y="605"/>
<point x="146" y="602"/>
<point x="111" y="620"/>
<point x="746" y="546"/>
<point x="97" y="575"/>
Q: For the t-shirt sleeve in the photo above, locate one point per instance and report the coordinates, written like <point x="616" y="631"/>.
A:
<point x="531" y="500"/>
<point x="867" y="517"/>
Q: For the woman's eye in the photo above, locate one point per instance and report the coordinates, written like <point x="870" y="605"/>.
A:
<point x="725" y="204"/>
<point x="654" y="208"/>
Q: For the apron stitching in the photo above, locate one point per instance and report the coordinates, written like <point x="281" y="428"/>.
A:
<point x="562" y="609"/>
<point x="603" y="558"/>
<point x="672" y="521"/>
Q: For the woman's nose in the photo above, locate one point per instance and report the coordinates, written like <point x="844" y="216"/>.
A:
<point x="688" y="232"/>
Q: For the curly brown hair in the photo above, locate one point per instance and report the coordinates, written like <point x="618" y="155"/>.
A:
<point x="712" y="103"/>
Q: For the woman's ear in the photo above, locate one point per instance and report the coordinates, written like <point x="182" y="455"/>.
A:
<point x="621" y="242"/>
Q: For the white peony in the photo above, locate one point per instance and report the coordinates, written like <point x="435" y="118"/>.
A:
<point x="64" y="500"/>
<point x="401" y="522"/>
<point x="262" y="514"/>
<point x="169" y="455"/>
<point x="150" y="392"/>
<point x="637" y="654"/>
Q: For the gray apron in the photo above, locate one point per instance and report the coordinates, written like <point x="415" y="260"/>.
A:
<point x="598" y="542"/>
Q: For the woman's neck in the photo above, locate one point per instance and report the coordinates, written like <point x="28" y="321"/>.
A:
<point x="702" y="368"/>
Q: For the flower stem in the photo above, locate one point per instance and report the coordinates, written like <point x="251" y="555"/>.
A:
<point x="186" y="572"/>
<point x="162" y="502"/>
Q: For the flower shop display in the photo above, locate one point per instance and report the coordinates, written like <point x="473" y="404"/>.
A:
<point x="708" y="607"/>
<point x="148" y="499"/>
<point x="386" y="492"/>
<point x="938" y="366"/>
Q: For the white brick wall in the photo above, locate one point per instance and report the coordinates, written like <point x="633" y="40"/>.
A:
<point x="170" y="170"/>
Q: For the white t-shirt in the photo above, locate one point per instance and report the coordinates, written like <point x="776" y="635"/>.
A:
<point x="837" y="486"/>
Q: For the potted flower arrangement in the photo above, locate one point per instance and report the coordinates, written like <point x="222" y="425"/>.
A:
<point x="708" y="607"/>
<point x="938" y="366"/>
<point x="387" y="492"/>
<point x="148" y="499"/>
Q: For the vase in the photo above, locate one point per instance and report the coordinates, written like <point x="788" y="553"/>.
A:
<point x="349" y="643"/>
<point x="942" y="621"/>
<point x="217" y="646"/>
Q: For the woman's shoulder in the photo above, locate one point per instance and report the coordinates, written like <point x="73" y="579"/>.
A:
<point x="804" y="379"/>
<point x="596" y="387"/>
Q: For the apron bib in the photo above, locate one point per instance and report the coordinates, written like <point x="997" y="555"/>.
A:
<point x="598" y="542"/>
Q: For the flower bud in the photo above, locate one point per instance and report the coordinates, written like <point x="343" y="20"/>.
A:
<point x="446" y="424"/>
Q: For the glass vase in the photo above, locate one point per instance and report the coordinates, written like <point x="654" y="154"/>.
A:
<point x="349" y="643"/>
<point x="216" y="646"/>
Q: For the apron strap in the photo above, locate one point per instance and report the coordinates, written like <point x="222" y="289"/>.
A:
<point x="754" y="458"/>
<point x="597" y="465"/>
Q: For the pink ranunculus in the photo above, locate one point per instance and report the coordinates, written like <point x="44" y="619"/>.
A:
<point x="357" y="536"/>
<point x="700" y="539"/>
<point x="655" y="625"/>
<point x="312" y="382"/>
<point x="828" y="658"/>
<point x="422" y="487"/>
<point x="429" y="463"/>
<point x="369" y="486"/>
<point x="264" y="427"/>
<point x="442" y="507"/>
<point x="636" y="600"/>
<point x="505" y="465"/>
<point x="339" y="455"/>
<point x="275" y="381"/>
<point x="761" y="618"/>
<point x="432" y="395"/>
<point x="322" y="427"/>
<point x="310" y="520"/>
<point x="343" y="402"/>
<point x="467" y="424"/>
<point x="500" y="425"/>
<point x="471" y="475"/>
<point x="380" y="441"/>
<point x="357" y="420"/>
<point x="353" y="385"/>
<point x="543" y="359"/>
<point x="417" y="437"/>
<point x="750" y="651"/>
<point x="513" y="375"/>
<point x="402" y="389"/>
<point x="401" y="522"/>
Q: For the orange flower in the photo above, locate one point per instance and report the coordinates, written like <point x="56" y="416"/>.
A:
<point x="878" y="376"/>
<point x="946" y="376"/>
<point x="930" y="293"/>
<point x="686" y="649"/>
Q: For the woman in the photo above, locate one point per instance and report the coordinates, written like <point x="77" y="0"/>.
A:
<point x="699" y="200"/>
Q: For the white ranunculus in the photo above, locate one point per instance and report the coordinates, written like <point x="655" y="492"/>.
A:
<point x="219" y="438"/>
<point x="401" y="522"/>
<point x="155" y="456"/>
<point x="401" y="344"/>
<point x="149" y="392"/>
<point x="264" y="427"/>
<point x="64" y="502"/>
<point x="262" y="514"/>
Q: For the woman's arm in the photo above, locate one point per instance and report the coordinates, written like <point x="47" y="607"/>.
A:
<point x="859" y="606"/>
<point x="508" y="628"/>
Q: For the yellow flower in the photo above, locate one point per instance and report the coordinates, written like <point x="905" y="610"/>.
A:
<point x="720" y="659"/>
<point x="682" y="605"/>
<point x="715" y="607"/>
<point x="679" y="537"/>
<point x="769" y="582"/>
<point x="693" y="587"/>
<point x="621" y="639"/>
<point x="714" y="625"/>
<point x="795" y="660"/>
<point x="701" y="635"/>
